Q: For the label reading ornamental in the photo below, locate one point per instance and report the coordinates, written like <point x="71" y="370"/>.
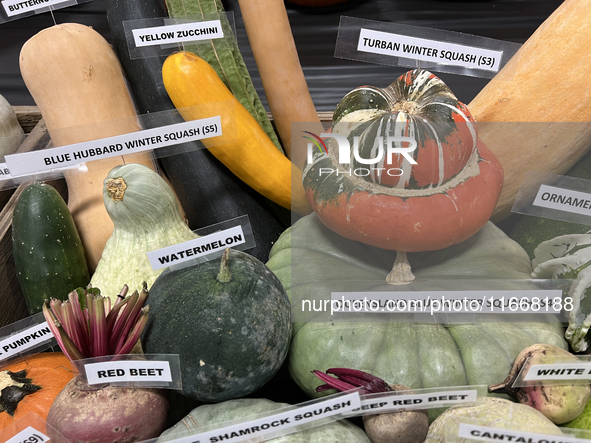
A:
<point x="563" y="200"/>
<point x="26" y="339"/>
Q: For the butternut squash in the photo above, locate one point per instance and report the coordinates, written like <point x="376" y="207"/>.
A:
<point x="76" y="81"/>
<point x="275" y="53"/>
<point x="531" y="116"/>
<point x="243" y="147"/>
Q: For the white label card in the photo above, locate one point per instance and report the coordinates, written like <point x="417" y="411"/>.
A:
<point x="4" y="172"/>
<point x="563" y="200"/>
<point x="26" y="339"/>
<point x="393" y="402"/>
<point x="189" y="250"/>
<point x="486" y="433"/>
<point x="559" y="371"/>
<point x="185" y="32"/>
<point x="17" y="7"/>
<point x="29" y="435"/>
<point x="396" y="45"/>
<point x="128" y="371"/>
<point x="277" y="422"/>
<point x="139" y="141"/>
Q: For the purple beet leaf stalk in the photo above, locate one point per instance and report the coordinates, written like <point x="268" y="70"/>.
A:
<point x="86" y="326"/>
<point x="346" y="379"/>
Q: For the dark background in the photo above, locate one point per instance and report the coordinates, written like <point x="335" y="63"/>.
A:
<point x="315" y="31"/>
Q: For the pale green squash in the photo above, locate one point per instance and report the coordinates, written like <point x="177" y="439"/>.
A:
<point x="146" y="217"/>
<point x="11" y="132"/>
<point x="394" y="347"/>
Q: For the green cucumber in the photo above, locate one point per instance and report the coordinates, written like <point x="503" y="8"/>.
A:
<point x="48" y="254"/>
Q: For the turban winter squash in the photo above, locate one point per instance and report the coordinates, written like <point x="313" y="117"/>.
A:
<point x="30" y="385"/>
<point x="433" y="189"/>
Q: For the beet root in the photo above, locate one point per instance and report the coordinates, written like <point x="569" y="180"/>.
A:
<point x="84" y="413"/>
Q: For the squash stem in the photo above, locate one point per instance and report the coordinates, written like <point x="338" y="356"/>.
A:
<point x="401" y="273"/>
<point x="224" y="275"/>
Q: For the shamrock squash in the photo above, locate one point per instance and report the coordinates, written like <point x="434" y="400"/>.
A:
<point x="397" y="348"/>
<point x="388" y="193"/>
<point x="31" y="385"/>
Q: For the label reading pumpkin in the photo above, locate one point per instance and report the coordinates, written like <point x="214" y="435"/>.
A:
<point x="140" y="141"/>
<point x="26" y="338"/>
<point x="272" y="426"/>
<point x="487" y="433"/>
<point x="417" y="47"/>
<point x="29" y="435"/>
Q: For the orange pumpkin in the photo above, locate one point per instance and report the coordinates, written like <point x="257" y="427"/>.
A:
<point x="33" y="390"/>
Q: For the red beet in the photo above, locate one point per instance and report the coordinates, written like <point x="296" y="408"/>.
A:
<point x="84" y="413"/>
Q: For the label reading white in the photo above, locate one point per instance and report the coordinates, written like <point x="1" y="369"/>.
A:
<point x="393" y="402"/>
<point x="185" y="32"/>
<point x="144" y="140"/>
<point x="459" y="302"/>
<point x="563" y="200"/>
<point x="29" y="435"/>
<point x="559" y="371"/>
<point x="17" y="7"/>
<point x="189" y="250"/>
<point x="486" y="433"/>
<point x="26" y="339"/>
<point x="128" y="371"/>
<point x="277" y="423"/>
<point x="396" y="45"/>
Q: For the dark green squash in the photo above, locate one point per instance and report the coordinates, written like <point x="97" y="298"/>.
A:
<point x="208" y="192"/>
<point x="229" y="320"/>
<point x="48" y="253"/>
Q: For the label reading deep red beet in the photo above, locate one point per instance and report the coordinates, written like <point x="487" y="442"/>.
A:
<point x="418" y="47"/>
<point x="428" y="398"/>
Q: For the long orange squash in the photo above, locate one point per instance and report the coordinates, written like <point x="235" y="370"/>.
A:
<point x="532" y="117"/>
<point x="286" y="89"/>
<point x="76" y="81"/>
<point x="243" y="147"/>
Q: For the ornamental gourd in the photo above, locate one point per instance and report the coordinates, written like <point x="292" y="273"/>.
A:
<point x="397" y="348"/>
<point x="433" y="188"/>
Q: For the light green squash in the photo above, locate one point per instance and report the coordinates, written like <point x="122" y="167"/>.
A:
<point x="146" y="217"/>
<point x="394" y="347"/>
